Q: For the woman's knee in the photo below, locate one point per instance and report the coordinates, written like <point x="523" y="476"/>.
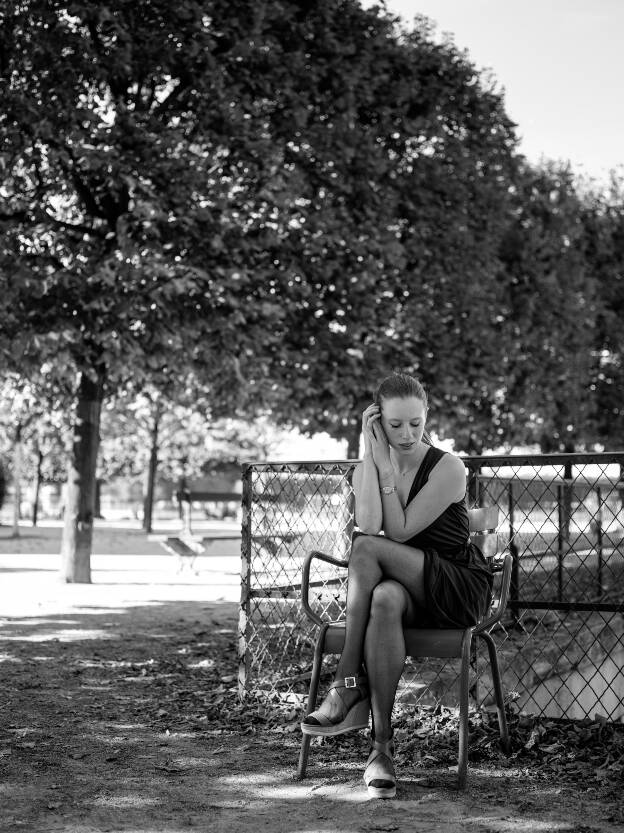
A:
<point x="389" y="601"/>
<point x="362" y="550"/>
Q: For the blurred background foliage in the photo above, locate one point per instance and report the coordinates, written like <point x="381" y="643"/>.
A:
<point x="220" y="220"/>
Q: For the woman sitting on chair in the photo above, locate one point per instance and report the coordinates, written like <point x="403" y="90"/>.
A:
<point x="423" y="571"/>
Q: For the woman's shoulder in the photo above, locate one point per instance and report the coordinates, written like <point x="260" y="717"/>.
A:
<point x="451" y="468"/>
<point x="445" y="459"/>
<point x="450" y="459"/>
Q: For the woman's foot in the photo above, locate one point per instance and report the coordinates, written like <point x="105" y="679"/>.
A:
<point x="345" y="707"/>
<point x="379" y="775"/>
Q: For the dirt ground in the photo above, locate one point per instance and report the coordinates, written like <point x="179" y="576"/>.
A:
<point x="120" y="713"/>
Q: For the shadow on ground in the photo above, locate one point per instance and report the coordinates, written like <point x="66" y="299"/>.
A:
<point x="125" y="718"/>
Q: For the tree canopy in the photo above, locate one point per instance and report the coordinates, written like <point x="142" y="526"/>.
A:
<point x="551" y="302"/>
<point x="272" y="205"/>
<point x="603" y="220"/>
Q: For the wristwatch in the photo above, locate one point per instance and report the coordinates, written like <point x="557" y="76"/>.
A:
<point x="387" y="490"/>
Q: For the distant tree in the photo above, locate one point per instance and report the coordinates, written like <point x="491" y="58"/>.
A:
<point x="16" y="417"/>
<point x="603" y="219"/>
<point x="134" y="429"/>
<point x="34" y="436"/>
<point x="400" y="227"/>
<point x="552" y="306"/>
<point x="146" y="435"/>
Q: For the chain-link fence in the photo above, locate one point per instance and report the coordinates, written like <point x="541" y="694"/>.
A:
<point x="561" y="643"/>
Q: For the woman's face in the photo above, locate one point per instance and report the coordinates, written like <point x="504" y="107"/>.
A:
<point x="403" y="420"/>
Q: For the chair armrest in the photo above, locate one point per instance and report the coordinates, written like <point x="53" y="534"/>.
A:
<point x="305" y="580"/>
<point x="497" y="613"/>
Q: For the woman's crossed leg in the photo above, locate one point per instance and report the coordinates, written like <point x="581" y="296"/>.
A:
<point x="385" y="590"/>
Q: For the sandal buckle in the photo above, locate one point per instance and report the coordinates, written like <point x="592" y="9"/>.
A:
<point x="350" y="682"/>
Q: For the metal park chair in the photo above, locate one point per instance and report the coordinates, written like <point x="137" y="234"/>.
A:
<point x="445" y="643"/>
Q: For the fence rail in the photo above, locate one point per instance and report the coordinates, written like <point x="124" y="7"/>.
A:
<point x="561" y="517"/>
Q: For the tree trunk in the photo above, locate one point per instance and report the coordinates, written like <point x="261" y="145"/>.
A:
<point x="35" y="509"/>
<point x="17" y="480"/>
<point x="2" y="486"/>
<point x="97" y="503"/>
<point x="81" y="484"/>
<point x="148" y="505"/>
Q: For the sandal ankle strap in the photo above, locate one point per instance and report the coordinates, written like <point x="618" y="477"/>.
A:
<point x="350" y="682"/>
<point x="386" y="747"/>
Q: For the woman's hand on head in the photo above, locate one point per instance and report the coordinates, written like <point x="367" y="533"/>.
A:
<point x="375" y="440"/>
<point x="369" y="416"/>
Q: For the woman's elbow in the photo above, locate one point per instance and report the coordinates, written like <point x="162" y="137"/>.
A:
<point x="399" y="536"/>
<point x="369" y="529"/>
<point x="368" y="525"/>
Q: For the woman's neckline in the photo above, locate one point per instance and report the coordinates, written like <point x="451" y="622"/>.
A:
<point x="416" y="465"/>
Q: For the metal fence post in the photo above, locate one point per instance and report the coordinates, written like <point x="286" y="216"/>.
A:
<point x="245" y="599"/>
<point x="599" y="538"/>
<point x="568" y="495"/>
<point x="514" y="584"/>
<point x="560" y="542"/>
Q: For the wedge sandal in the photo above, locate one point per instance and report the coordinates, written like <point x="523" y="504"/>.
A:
<point x="318" y="722"/>
<point x="379" y="775"/>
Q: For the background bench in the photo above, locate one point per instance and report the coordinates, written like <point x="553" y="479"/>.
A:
<point x="187" y="546"/>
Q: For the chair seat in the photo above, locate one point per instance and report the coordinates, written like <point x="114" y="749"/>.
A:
<point x="431" y="642"/>
<point x="419" y="642"/>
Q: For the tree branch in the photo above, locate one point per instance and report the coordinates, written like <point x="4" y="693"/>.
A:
<point x="72" y="226"/>
<point x="162" y="107"/>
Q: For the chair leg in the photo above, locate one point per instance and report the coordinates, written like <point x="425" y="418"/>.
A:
<point x="303" y="757"/>
<point x="312" y="695"/>
<point x="462" y="762"/>
<point x="498" y="692"/>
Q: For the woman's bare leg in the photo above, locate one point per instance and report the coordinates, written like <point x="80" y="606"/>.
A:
<point x="373" y="560"/>
<point x="384" y="651"/>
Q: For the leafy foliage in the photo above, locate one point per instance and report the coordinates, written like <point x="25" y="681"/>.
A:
<point x="191" y="183"/>
<point x="603" y="219"/>
<point x="552" y="301"/>
<point x="277" y="203"/>
<point x="190" y="442"/>
<point x="114" y="192"/>
<point x="42" y="427"/>
<point x="401" y="248"/>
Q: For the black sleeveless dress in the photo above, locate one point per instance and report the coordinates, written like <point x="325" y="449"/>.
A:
<point x="458" y="581"/>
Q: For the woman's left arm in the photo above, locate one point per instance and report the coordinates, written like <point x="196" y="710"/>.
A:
<point x="446" y="485"/>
